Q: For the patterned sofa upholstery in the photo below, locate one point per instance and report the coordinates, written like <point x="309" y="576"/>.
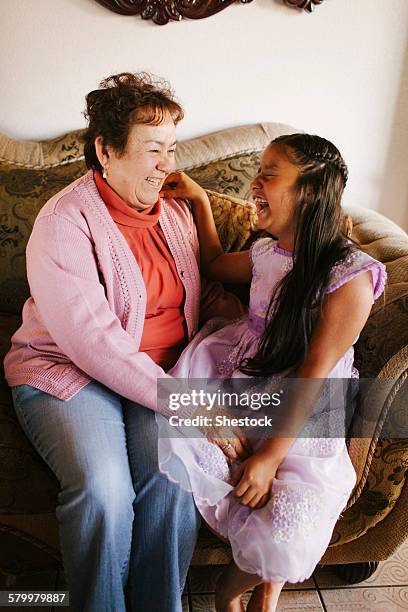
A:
<point x="375" y="521"/>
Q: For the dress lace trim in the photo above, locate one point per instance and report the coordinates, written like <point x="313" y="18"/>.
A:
<point x="292" y="511"/>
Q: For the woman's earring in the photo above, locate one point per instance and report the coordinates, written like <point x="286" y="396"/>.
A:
<point x="104" y="174"/>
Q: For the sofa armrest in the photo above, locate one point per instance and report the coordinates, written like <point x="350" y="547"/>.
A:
<point x="389" y="400"/>
<point x="380" y="460"/>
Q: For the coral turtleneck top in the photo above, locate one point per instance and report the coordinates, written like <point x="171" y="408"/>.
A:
<point x="164" y="333"/>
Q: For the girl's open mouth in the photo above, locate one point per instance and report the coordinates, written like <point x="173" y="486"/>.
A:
<point x="261" y="204"/>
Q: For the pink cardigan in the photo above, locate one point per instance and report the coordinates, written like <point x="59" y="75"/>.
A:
<point x="84" y="319"/>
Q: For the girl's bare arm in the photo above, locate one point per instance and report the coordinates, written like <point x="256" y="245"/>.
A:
<point x="344" y="314"/>
<point x="215" y="264"/>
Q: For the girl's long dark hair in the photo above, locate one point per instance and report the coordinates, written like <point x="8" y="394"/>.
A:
<point x="319" y="244"/>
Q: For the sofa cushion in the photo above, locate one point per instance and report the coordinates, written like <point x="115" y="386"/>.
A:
<point x="386" y="331"/>
<point x="27" y="485"/>
<point x="23" y="192"/>
<point x="30" y="173"/>
<point x="23" y="553"/>
<point x="235" y="220"/>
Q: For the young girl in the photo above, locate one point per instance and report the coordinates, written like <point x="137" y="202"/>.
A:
<point x="311" y="294"/>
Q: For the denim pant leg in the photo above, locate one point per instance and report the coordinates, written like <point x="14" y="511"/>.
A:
<point x="166" y="522"/>
<point x="83" y="441"/>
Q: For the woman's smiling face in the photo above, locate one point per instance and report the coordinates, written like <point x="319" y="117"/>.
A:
<point x="138" y="174"/>
<point x="274" y="194"/>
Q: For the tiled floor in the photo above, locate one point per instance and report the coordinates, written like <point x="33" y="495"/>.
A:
<point x="385" y="591"/>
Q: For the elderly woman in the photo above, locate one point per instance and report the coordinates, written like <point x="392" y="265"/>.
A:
<point x="115" y="297"/>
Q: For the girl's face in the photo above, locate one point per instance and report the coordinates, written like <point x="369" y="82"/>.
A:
<point x="273" y="193"/>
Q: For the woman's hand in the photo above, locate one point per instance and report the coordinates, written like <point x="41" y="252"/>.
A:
<point x="180" y="185"/>
<point x="254" y="478"/>
<point x="231" y="440"/>
<point x="233" y="443"/>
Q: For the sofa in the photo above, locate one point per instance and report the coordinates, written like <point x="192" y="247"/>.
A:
<point x="375" y="520"/>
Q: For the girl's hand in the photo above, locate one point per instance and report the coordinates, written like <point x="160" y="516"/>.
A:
<point x="254" y="478"/>
<point x="180" y="185"/>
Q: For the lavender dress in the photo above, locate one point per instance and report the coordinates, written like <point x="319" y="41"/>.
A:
<point x="284" y="540"/>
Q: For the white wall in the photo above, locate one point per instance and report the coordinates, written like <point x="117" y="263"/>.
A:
<point x="341" y="72"/>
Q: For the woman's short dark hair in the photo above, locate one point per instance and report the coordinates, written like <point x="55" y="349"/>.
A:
<point x="122" y="101"/>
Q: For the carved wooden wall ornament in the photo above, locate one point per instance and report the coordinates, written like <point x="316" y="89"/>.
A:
<point x="163" y="11"/>
<point x="307" y="5"/>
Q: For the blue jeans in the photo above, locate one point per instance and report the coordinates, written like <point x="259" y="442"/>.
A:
<point x="127" y="533"/>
